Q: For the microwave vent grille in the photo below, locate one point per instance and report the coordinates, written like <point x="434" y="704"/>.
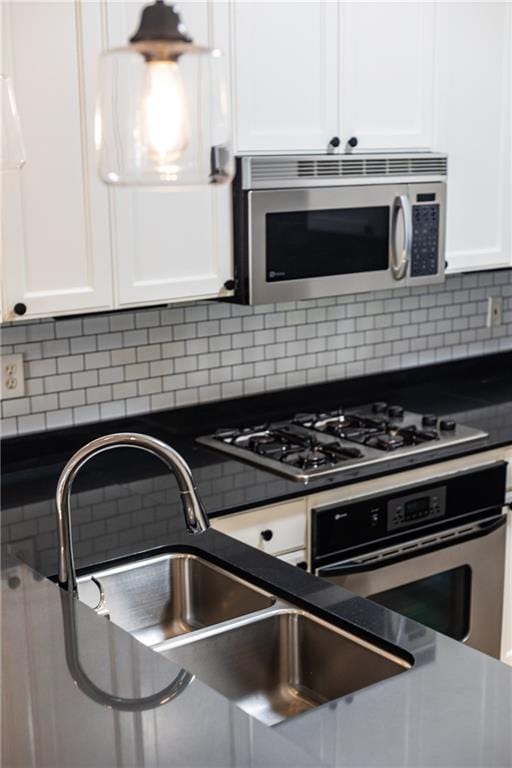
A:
<point x="297" y="169"/>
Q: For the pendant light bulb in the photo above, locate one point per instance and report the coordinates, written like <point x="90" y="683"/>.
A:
<point x="162" y="117"/>
<point x="165" y="119"/>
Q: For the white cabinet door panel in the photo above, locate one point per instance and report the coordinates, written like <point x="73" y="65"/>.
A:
<point x="169" y="245"/>
<point x="387" y="68"/>
<point x="473" y="126"/>
<point x="284" y="72"/>
<point x="56" y="239"/>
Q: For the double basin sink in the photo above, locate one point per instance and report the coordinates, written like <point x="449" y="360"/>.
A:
<point x="273" y="659"/>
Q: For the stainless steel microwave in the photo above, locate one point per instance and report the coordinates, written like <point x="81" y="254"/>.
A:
<point x="326" y="225"/>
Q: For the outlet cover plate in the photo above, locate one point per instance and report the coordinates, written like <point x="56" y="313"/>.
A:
<point x="494" y="311"/>
<point x="13" y="379"/>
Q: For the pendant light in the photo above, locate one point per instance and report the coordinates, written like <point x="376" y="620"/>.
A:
<point x="162" y="116"/>
<point x="12" y="152"/>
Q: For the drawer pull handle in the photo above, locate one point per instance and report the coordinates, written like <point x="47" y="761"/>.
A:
<point x="267" y="535"/>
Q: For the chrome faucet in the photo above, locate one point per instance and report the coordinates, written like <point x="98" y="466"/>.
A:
<point x="196" y="518"/>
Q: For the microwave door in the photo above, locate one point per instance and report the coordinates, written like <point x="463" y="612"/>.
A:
<point x="308" y="243"/>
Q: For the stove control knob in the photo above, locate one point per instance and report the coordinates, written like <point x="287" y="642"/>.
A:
<point x="267" y="535"/>
<point x="429" y="420"/>
<point x="396" y="411"/>
<point x="447" y="425"/>
<point x="379" y="407"/>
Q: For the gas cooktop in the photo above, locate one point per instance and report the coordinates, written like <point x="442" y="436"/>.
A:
<point x="312" y="445"/>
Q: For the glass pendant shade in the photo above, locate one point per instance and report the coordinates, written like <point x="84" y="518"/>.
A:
<point x="162" y="115"/>
<point x="12" y="155"/>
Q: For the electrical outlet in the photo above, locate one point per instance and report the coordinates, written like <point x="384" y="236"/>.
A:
<point x="494" y="311"/>
<point x="13" y="380"/>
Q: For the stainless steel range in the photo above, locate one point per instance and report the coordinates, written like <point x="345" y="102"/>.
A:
<point x="312" y="445"/>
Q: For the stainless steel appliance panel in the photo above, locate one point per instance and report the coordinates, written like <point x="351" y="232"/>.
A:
<point x="483" y="555"/>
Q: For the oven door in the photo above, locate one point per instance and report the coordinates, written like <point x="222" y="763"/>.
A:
<point x="307" y="243"/>
<point x="452" y="582"/>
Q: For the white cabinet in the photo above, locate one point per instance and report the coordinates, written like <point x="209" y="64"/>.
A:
<point x="473" y="125"/>
<point x="69" y="244"/>
<point x="169" y="245"/>
<point x="56" y="239"/>
<point x="284" y="75"/>
<point x="275" y="529"/>
<point x="386" y="71"/>
<point x="303" y="72"/>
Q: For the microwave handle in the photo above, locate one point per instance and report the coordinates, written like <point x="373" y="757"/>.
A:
<point x="399" y="263"/>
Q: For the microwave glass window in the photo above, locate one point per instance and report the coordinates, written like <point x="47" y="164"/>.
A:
<point x="320" y="243"/>
<point x="441" y="601"/>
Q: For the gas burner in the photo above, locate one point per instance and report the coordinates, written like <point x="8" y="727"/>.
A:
<point x="309" y="459"/>
<point x="267" y="444"/>
<point x="349" y="426"/>
<point x="316" y="444"/>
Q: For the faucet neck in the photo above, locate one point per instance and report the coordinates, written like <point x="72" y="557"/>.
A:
<point x="195" y="515"/>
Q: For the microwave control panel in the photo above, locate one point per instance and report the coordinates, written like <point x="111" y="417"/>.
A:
<point x="425" y="238"/>
<point x="406" y="511"/>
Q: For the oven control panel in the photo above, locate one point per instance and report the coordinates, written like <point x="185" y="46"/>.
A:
<point x="360" y="525"/>
<point x="405" y="511"/>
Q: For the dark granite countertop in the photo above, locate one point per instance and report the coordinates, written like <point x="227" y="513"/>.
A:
<point x="452" y="708"/>
<point x="126" y="501"/>
<point x="49" y="722"/>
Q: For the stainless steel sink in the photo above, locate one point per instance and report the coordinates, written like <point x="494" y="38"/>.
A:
<point x="271" y="658"/>
<point x="171" y="595"/>
<point x="283" y="663"/>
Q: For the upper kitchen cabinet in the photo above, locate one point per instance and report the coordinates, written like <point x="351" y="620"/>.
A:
<point x="71" y="245"/>
<point x="304" y="72"/>
<point x="170" y="245"/>
<point x="386" y="74"/>
<point x="56" y="240"/>
<point x="284" y="67"/>
<point x="473" y="114"/>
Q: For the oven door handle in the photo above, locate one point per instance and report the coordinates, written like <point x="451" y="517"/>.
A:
<point x="400" y="263"/>
<point x="394" y="555"/>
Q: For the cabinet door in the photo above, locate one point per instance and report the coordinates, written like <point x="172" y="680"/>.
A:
<point x="169" y="245"/>
<point x="387" y="66"/>
<point x="473" y="127"/>
<point x="284" y="69"/>
<point x="56" y="239"/>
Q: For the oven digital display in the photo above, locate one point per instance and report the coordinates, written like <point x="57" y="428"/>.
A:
<point x="417" y="508"/>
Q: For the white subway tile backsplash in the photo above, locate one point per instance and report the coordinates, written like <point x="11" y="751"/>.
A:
<point x="109" y="366"/>
<point x="84" y="344"/>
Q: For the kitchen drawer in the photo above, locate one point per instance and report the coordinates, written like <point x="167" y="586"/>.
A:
<point x="274" y="529"/>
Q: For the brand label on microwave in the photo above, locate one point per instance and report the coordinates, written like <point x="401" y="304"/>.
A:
<point x="273" y="275"/>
